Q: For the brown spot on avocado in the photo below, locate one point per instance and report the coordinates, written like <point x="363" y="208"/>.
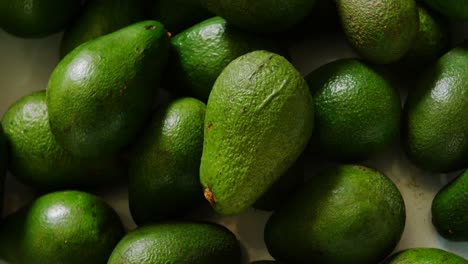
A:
<point x="209" y="196"/>
<point x="210" y="127"/>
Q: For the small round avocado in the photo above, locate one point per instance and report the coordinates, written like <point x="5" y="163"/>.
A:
<point x="36" y="158"/>
<point x="357" y="111"/>
<point x="347" y="214"/>
<point x="425" y="256"/>
<point x="455" y="9"/>
<point x="381" y="31"/>
<point x="266" y="16"/>
<point x="61" y="227"/>
<point x="202" y="51"/>
<point x="178" y="242"/>
<point x="164" y="170"/>
<point x="36" y="18"/>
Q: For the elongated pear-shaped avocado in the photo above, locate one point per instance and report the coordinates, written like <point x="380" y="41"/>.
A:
<point x="100" y="95"/>
<point x="259" y="118"/>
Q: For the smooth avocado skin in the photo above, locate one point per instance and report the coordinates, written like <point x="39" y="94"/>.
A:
<point x="357" y="111"/>
<point x="36" y="18"/>
<point x="435" y="129"/>
<point x="262" y="16"/>
<point x="450" y="211"/>
<point x="324" y="221"/>
<point x="425" y="256"/>
<point x="37" y="159"/>
<point x="374" y="27"/>
<point x="454" y="9"/>
<point x="178" y="242"/>
<point x="201" y="52"/>
<point x="177" y="15"/>
<point x="164" y="172"/>
<point x="259" y="118"/>
<point x="100" y="95"/>
<point x="100" y="17"/>
<point x="61" y="227"/>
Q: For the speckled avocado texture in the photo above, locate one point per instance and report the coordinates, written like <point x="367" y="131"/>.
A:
<point x="259" y="118"/>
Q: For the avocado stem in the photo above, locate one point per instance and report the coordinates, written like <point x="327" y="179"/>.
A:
<point x="209" y="196"/>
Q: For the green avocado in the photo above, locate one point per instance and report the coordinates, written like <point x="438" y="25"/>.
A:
<point x="347" y="214"/>
<point x="201" y="52"/>
<point x="100" y="95"/>
<point x="177" y="15"/>
<point x="450" y="211"/>
<point x="455" y="9"/>
<point x="375" y="27"/>
<point x="178" y="242"/>
<point x="61" y="227"/>
<point x="37" y="159"/>
<point x="36" y="18"/>
<point x="164" y="170"/>
<point x="435" y="128"/>
<point x="100" y="17"/>
<point x="425" y="256"/>
<point x="264" y="16"/>
<point x="357" y="111"/>
<point x="259" y="119"/>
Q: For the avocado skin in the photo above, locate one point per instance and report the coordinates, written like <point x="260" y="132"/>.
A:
<point x="357" y="111"/>
<point x="100" y="95"/>
<point x="454" y="9"/>
<point x="100" y="17"/>
<point x="435" y="130"/>
<point x="164" y="172"/>
<point x="61" y="227"/>
<point x="259" y="118"/>
<point x="37" y="160"/>
<point x="36" y="18"/>
<point x="449" y="210"/>
<point x="201" y="52"/>
<point x="374" y="27"/>
<point x="200" y="243"/>
<point x="425" y="256"/>
<point x="263" y="16"/>
<point x="309" y="228"/>
<point x="177" y="15"/>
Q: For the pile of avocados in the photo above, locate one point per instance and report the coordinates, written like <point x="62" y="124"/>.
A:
<point x="238" y="128"/>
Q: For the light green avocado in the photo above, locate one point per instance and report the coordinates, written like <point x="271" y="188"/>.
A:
<point x="382" y="31"/>
<point x="259" y="118"/>
<point x="425" y="256"/>
<point x="100" y="95"/>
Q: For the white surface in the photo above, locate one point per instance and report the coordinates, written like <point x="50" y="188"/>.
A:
<point x="25" y="66"/>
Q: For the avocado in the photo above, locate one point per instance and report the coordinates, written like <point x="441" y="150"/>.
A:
<point x="347" y="214"/>
<point x="61" y="227"/>
<point x="164" y="170"/>
<point x="455" y="9"/>
<point x="36" y="159"/>
<point x="357" y="111"/>
<point x="259" y="118"/>
<point x="281" y="190"/>
<point x="178" y="242"/>
<point x="36" y="18"/>
<point x="100" y="95"/>
<point x="264" y="16"/>
<point x="177" y="15"/>
<point x="374" y="27"/>
<point x="425" y="256"/>
<point x="100" y="17"/>
<point x="201" y="52"/>
<point x="449" y="211"/>
<point x="435" y="128"/>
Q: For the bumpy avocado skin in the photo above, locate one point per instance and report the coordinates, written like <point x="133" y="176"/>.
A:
<point x="435" y="130"/>
<point x="164" y="170"/>
<point x="100" y="95"/>
<point x="425" y="256"/>
<point x="374" y="27"/>
<point x="259" y="118"/>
